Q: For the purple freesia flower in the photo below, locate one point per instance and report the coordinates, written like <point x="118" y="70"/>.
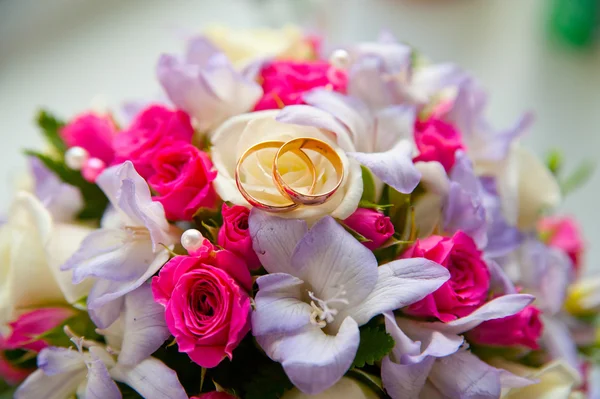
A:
<point x="121" y="257"/>
<point x="205" y="84"/>
<point x="322" y="285"/>
<point x="427" y="360"/>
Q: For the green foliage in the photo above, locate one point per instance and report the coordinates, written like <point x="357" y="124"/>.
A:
<point x="80" y="324"/>
<point x="269" y="383"/>
<point x="368" y="194"/>
<point x="209" y="221"/>
<point x="554" y="161"/>
<point x="577" y="178"/>
<point x="50" y="127"/>
<point x="94" y="199"/>
<point x="375" y="344"/>
<point x="128" y="392"/>
<point x="6" y="392"/>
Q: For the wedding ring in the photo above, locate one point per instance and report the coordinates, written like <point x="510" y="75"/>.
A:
<point x="301" y="144"/>
<point x="261" y="205"/>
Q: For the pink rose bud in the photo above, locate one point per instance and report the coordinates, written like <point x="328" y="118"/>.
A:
<point x="92" y="168"/>
<point x="469" y="281"/>
<point x="285" y="82"/>
<point x="28" y="326"/>
<point x="183" y="180"/>
<point x="92" y="132"/>
<point x="207" y="306"/>
<point x="214" y="395"/>
<point x="437" y="141"/>
<point x="563" y="233"/>
<point x="521" y="329"/>
<point x="372" y="225"/>
<point x="235" y="236"/>
<point x="9" y="372"/>
<point x="153" y="129"/>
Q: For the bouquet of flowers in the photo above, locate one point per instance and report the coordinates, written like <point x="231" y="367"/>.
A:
<point x="290" y="222"/>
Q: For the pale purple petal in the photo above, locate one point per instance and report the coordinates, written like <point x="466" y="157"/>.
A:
<point x="199" y="51"/>
<point x="366" y="81"/>
<point x="331" y="261"/>
<point x="399" y="284"/>
<point x="557" y="340"/>
<point x="463" y="375"/>
<point x="404" y="381"/>
<point x="54" y="360"/>
<point x="429" y="80"/>
<point x="100" y="385"/>
<point x="313" y="360"/>
<point x="394" y="124"/>
<point x="500" y="283"/>
<point x="39" y="385"/>
<point x="274" y="240"/>
<point x="306" y="115"/>
<point x="394" y="167"/>
<point x="497" y="308"/>
<point x="279" y="305"/>
<point x="151" y="378"/>
<point x="145" y="326"/>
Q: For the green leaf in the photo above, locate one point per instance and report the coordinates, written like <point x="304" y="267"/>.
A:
<point x="354" y="233"/>
<point x="269" y="383"/>
<point x="94" y="199"/>
<point x="375" y="343"/>
<point x="368" y="185"/>
<point x="576" y="179"/>
<point x="371" y="381"/>
<point x="8" y="394"/>
<point x="50" y="128"/>
<point x="554" y="161"/>
<point x="370" y="205"/>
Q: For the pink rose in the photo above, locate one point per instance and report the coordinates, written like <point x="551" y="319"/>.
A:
<point x="10" y="373"/>
<point x="153" y="129"/>
<point x="183" y="178"/>
<point x="235" y="236"/>
<point x="214" y="395"/>
<point x="521" y="329"/>
<point x="372" y="225"/>
<point x="437" y="141"/>
<point x="30" y="325"/>
<point x="563" y="233"/>
<point x="469" y="281"/>
<point x="92" y="132"/>
<point x="285" y="82"/>
<point x="207" y="307"/>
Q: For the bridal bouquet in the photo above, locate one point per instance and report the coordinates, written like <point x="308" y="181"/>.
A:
<point x="292" y="222"/>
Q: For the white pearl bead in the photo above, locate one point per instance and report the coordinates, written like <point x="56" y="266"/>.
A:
<point x="191" y="240"/>
<point x="75" y="157"/>
<point x="340" y="59"/>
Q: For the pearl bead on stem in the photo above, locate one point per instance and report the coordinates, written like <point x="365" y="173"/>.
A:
<point x="75" y="157"/>
<point x="340" y="59"/>
<point x="192" y="240"/>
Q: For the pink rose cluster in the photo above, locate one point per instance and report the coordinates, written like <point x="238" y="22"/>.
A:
<point x="564" y="234"/>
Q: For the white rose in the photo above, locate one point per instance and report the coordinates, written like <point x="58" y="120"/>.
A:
<point x="346" y="388"/>
<point x="244" y="46"/>
<point x="239" y="133"/>
<point x="32" y="249"/>
<point x="557" y="380"/>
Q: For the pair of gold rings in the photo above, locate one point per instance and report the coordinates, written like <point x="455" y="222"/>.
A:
<point x="296" y="146"/>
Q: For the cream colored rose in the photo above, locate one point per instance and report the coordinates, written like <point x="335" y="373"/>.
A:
<point x="239" y="133"/>
<point x="525" y="184"/>
<point x="32" y="249"/>
<point x="557" y="380"/>
<point x="346" y="388"/>
<point x="244" y="46"/>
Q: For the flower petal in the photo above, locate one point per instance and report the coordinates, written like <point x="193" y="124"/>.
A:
<point x="393" y="167"/>
<point x="100" y="385"/>
<point x="394" y="124"/>
<point x="53" y="361"/>
<point x="274" y="240"/>
<point x="404" y="381"/>
<point x="278" y="305"/>
<point x="399" y="284"/>
<point x="151" y="378"/>
<point x="313" y="360"/>
<point x="330" y="260"/>
<point x="40" y="385"/>
<point x="145" y="326"/>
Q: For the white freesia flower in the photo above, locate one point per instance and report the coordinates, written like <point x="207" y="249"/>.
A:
<point x="33" y="248"/>
<point x="244" y="46"/>
<point x="239" y="133"/>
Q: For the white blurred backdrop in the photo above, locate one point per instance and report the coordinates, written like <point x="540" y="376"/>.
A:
<point x="61" y="54"/>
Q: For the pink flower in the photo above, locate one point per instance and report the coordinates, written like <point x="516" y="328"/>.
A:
<point x="153" y="129"/>
<point x="207" y="307"/>
<point x="30" y="325"/>
<point x="214" y="395"/>
<point x="92" y="132"/>
<point x="183" y="178"/>
<point x="437" y="141"/>
<point x="235" y="236"/>
<point x="285" y="82"/>
<point x="521" y="329"/>
<point x="563" y="233"/>
<point x="10" y="373"/>
<point x="372" y="225"/>
<point x="469" y="281"/>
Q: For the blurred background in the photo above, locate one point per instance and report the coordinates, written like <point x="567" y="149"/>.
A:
<point x="63" y="54"/>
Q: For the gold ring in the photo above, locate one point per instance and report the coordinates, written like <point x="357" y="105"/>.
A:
<point x="256" y="203"/>
<point x="306" y="143"/>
